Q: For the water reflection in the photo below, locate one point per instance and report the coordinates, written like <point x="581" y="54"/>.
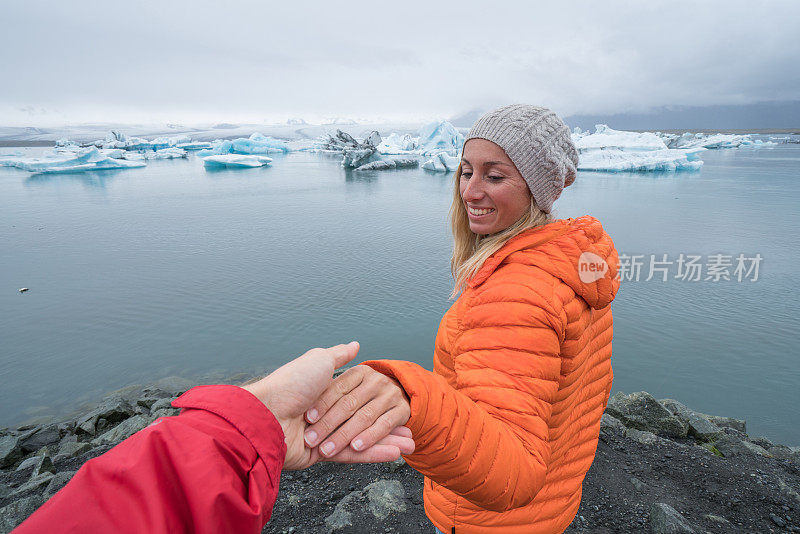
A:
<point x="91" y="179"/>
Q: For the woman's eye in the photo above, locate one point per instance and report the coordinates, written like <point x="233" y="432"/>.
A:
<point x="495" y="178"/>
<point x="465" y="174"/>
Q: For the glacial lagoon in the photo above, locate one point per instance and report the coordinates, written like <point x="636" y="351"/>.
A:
<point x="174" y="269"/>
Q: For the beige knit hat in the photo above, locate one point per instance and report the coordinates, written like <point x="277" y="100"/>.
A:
<point x="538" y="143"/>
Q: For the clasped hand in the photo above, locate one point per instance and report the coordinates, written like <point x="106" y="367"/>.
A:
<point x="356" y="418"/>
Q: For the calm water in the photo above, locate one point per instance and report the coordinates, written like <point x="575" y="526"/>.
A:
<point x="173" y="270"/>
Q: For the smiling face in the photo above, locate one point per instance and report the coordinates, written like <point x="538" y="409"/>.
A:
<point x="493" y="191"/>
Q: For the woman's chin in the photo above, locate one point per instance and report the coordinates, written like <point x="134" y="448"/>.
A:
<point x="481" y="228"/>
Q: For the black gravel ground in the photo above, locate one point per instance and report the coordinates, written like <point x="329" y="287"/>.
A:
<point x="714" y="494"/>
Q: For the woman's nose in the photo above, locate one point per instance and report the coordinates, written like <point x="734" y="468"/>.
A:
<point x="473" y="190"/>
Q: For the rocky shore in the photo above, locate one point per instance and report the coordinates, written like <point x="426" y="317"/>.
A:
<point x="660" y="467"/>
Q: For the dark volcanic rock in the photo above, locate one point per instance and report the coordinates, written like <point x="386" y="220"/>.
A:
<point x="643" y="412"/>
<point x="664" y="519"/>
<point x="16" y="512"/>
<point x="57" y="482"/>
<point x="10" y="450"/>
<point x="43" y="436"/>
<point x="733" y="446"/>
<point x="113" y="410"/>
<point x="699" y="425"/>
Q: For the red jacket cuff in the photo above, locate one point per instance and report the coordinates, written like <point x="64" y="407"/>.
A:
<point x="244" y="411"/>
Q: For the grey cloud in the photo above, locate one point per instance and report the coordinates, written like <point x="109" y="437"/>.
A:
<point x="193" y="60"/>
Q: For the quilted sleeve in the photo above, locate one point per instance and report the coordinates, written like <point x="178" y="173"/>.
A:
<point x="487" y="438"/>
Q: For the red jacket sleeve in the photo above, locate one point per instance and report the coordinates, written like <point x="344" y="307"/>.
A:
<point x="213" y="468"/>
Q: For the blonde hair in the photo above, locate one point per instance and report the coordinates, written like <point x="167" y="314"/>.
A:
<point x="470" y="250"/>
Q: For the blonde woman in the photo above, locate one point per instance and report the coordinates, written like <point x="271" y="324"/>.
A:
<point x="506" y="425"/>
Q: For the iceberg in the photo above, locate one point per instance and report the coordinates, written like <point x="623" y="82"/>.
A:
<point x="612" y="150"/>
<point x="364" y="155"/>
<point x="119" y="141"/>
<point x="193" y="145"/>
<point x="618" y="160"/>
<point x="356" y="157"/>
<point x="713" y="141"/>
<point x="388" y="163"/>
<point x="341" y="141"/>
<point x="255" y="144"/>
<point x="439" y="136"/>
<point x="166" y="153"/>
<point x="398" y="144"/>
<point x="442" y="162"/>
<point x="604" y="137"/>
<point x="81" y="160"/>
<point x="235" y="161"/>
<point x="690" y="140"/>
<point x="786" y="139"/>
<point x="435" y="138"/>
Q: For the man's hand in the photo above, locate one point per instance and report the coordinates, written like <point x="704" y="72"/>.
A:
<point x="294" y="388"/>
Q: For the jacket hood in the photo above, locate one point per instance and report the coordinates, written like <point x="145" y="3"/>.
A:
<point x="576" y="250"/>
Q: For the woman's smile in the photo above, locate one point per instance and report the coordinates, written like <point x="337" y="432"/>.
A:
<point x="476" y="213"/>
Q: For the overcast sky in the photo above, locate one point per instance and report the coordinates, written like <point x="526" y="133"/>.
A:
<point x="188" y="62"/>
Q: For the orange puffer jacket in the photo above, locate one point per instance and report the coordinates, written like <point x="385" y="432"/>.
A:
<point x="507" y="424"/>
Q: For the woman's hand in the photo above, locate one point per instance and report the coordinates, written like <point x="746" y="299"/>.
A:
<point x="360" y="408"/>
<point x="290" y="390"/>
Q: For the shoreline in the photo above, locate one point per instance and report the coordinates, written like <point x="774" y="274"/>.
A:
<point x="658" y="465"/>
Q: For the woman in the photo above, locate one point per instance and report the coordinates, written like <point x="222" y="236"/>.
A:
<point x="506" y="425"/>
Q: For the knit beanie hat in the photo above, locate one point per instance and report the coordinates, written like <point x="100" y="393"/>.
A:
<point x="538" y="143"/>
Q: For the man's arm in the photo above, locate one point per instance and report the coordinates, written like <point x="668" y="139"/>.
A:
<point x="213" y="468"/>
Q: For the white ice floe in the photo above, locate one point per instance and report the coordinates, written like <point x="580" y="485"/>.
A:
<point x="119" y="141"/>
<point x="618" y="160"/>
<point x="695" y="140"/>
<point x="441" y="162"/>
<point x="604" y="137"/>
<point x="164" y="153"/>
<point x="67" y="161"/>
<point x="167" y="153"/>
<point x="395" y="143"/>
<point x="612" y="150"/>
<point x="193" y="145"/>
<point x="432" y="138"/>
<point x="235" y="161"/>
<point x="388" y="163"/>
<point x="255" y="144"/>
<point x="364" y="155"/>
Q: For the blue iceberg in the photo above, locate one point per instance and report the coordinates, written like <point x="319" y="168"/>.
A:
<point x="439" y="136"/>
<point x="610" y="150"/>
<point x="64" y="161"/>
<point x="442" y="162"/>
<point x="235" y="161"/>
<point x="255" y="144"/>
